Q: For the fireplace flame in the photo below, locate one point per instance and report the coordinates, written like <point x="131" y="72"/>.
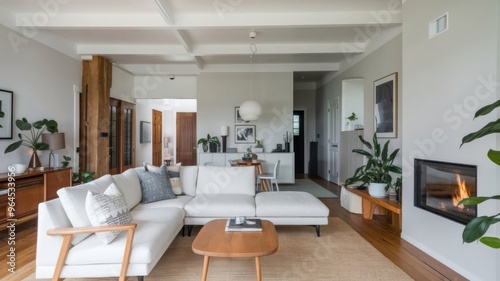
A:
<point x="462" y="192"/>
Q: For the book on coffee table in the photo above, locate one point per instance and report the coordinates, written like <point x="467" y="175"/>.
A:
<point x="248" y="225"/>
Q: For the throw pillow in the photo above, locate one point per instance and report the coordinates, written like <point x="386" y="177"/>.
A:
<point x="174" y="176"/>
<point x="155" y="185"/>
<point x="108" y="208"/>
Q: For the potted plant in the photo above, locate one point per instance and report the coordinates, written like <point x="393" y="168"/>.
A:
<point x="248" y="155"/>
<point x="213" y="142"/>
<point x="477" y="227"/>
<point x="33" y="140"/>
<point x="351" y="119"/>
<point x="378" y="168"/>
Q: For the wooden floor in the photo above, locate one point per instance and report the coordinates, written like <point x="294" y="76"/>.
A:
<point x="377" y="232"/>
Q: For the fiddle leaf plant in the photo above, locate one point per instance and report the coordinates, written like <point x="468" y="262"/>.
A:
<point x="477" y="227"/>
<point x="33" y="138"/>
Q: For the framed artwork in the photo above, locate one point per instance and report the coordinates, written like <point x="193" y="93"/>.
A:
<point x="6" y="115"/>
<point x="237" y="116"/>
<point x="385" y="91"/>
<point x="145" y="136"/>
<point x="244" y="133"/>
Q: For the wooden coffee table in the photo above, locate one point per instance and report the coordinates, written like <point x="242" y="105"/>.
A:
<point x="214" y="241"/>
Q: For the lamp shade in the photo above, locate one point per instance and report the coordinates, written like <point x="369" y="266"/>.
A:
<point x="224" y="130"/>
<point x="250" y="110"/>
<point x="55" y="140"/>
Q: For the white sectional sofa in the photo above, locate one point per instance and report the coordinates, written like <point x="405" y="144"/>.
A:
<point x="208" y="193"/>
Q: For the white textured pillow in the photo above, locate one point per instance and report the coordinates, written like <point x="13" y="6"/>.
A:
<point x="73" y="201"/>
<point x="108" y="208"/>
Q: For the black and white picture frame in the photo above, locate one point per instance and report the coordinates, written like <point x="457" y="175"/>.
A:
<point x="6" y="114"/>
<point x="385" y="91"/>
<point x="237" y="116"/>
<point x="145" y="136"/>
<point x="244" y="133"/>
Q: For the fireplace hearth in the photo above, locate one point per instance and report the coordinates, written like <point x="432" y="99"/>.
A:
<point x="439" y="186"/>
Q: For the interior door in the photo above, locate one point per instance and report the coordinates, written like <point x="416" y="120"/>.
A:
<point x="298" y="140"/>
<point x="186" y="138"/>
<point x="333" y="140"/>
<point x="157" y="137"/>
<point x="114" y="133"/>
<point x="127" y="137"/>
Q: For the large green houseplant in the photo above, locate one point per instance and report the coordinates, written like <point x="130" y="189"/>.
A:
<point x="378" y="167"/>
<point x="209" y="141"/>
<point x="477" y="227"/>
<point x="33" y="138"/>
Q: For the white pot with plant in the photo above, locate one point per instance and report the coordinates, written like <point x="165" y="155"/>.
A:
<point x="378" y="168"/>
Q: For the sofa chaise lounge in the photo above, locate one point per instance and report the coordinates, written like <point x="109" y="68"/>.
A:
<point x="208" y="193"/>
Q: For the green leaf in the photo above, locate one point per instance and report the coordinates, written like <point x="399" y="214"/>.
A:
<point x="476" y="228"/>
<point x="367" y="144"/>
<point x="487" y="109"/>
<point x="490" y="128"/>
<point x="385" y="151"/>
<point x="23" y="125"/>
<point x="477" y="200"/>
<point x="493" y="242"/>
<point x="39" y="124"/>
<point x="41" y="146"/>
<point x="67" y="158"/>
<point x="376" y="145"/>
<point x="362" y="152"/>
<point x="13" y="146"/>
<point x="494" y="156"/>
<point x="2" y="114"/>
<point x="51" y="125"/>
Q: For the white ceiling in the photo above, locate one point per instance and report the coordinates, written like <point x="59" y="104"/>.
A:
<point x="186" y="37"/>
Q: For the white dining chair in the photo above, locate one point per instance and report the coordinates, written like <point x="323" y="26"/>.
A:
<point x="272" y="177"/>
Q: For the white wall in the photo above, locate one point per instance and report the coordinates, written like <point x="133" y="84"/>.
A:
<point x="122" y="85"/>
<point x="446" y="79"/>
<point x="161" y="87"/>
<point x="353" y="100"/>
<point x="306" y="100"/>
<point x="220" y="93"/>
<point x="42" y="80"/>
<point x="384" y="61"/>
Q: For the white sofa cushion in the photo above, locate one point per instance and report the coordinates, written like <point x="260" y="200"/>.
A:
<point x="105" y="209"/>
<point x="189" y="175"/>
<point x="73" y="201"/>
<point x="226" y="180"/>
<point x="129" y="185"/>
<point x="221" y="206"/>
<point x="178" y="202"/>
<point x="289" y="204"/>
<point x="155" y="231"/>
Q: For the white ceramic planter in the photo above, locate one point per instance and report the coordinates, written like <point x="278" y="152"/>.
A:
<point x="377" y="189"/>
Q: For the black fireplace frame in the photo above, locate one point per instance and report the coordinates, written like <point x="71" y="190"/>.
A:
<point x="416" y="188"/>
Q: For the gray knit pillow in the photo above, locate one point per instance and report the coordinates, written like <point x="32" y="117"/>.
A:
<point x="155" y="185"/>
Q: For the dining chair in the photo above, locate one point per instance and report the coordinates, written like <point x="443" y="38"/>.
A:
<point x="272" y="177"/>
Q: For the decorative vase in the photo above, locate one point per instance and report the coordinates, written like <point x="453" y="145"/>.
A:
<point x="377" y="190"/>
<point x="35" y="160"/>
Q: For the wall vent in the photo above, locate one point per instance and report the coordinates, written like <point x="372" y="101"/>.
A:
<point x="438" y="26"/>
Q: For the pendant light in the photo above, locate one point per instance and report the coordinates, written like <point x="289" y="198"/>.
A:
<point x="251" y="110"/>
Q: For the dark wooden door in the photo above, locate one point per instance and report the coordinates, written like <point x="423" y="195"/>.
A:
<point x="186" y="138"/>
<point x="114" y="136"/>
<point x="127" y="138"/>
<point x="298" y="140"/>
<point x="157" y="137"/>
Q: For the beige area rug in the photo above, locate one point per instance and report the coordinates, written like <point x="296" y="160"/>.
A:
<point x="339" y="254"/>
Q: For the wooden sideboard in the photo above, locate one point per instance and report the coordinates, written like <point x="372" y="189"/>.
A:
<point x="31" y="188"/>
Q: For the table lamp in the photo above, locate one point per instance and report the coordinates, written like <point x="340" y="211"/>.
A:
<point x="55" y="141"/>
<point x="224" y="132"/>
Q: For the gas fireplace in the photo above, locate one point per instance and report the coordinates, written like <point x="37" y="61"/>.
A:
<point x="439" y="186"/>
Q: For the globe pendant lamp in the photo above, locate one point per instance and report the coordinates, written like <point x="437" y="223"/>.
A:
<point x="251" y="110"/>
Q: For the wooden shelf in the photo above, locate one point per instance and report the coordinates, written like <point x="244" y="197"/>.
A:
<point x="369" y="204"/>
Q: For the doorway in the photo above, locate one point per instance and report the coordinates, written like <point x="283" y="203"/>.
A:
<point x="299" y="140"/>
<point x="157" y="137"/>
<point x="333" y="140"/>
<point x="186" y="138"/>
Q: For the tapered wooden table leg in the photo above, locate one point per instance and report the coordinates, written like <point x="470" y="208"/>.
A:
<point x="257" y="268"/>
<point x="206" y="261"/>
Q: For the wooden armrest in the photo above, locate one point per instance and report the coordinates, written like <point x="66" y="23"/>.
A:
<point x="68" y="233"/>
<point x="89" y="229"/>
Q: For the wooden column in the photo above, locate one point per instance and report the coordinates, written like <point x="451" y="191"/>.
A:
<point x="94" y="116"/>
